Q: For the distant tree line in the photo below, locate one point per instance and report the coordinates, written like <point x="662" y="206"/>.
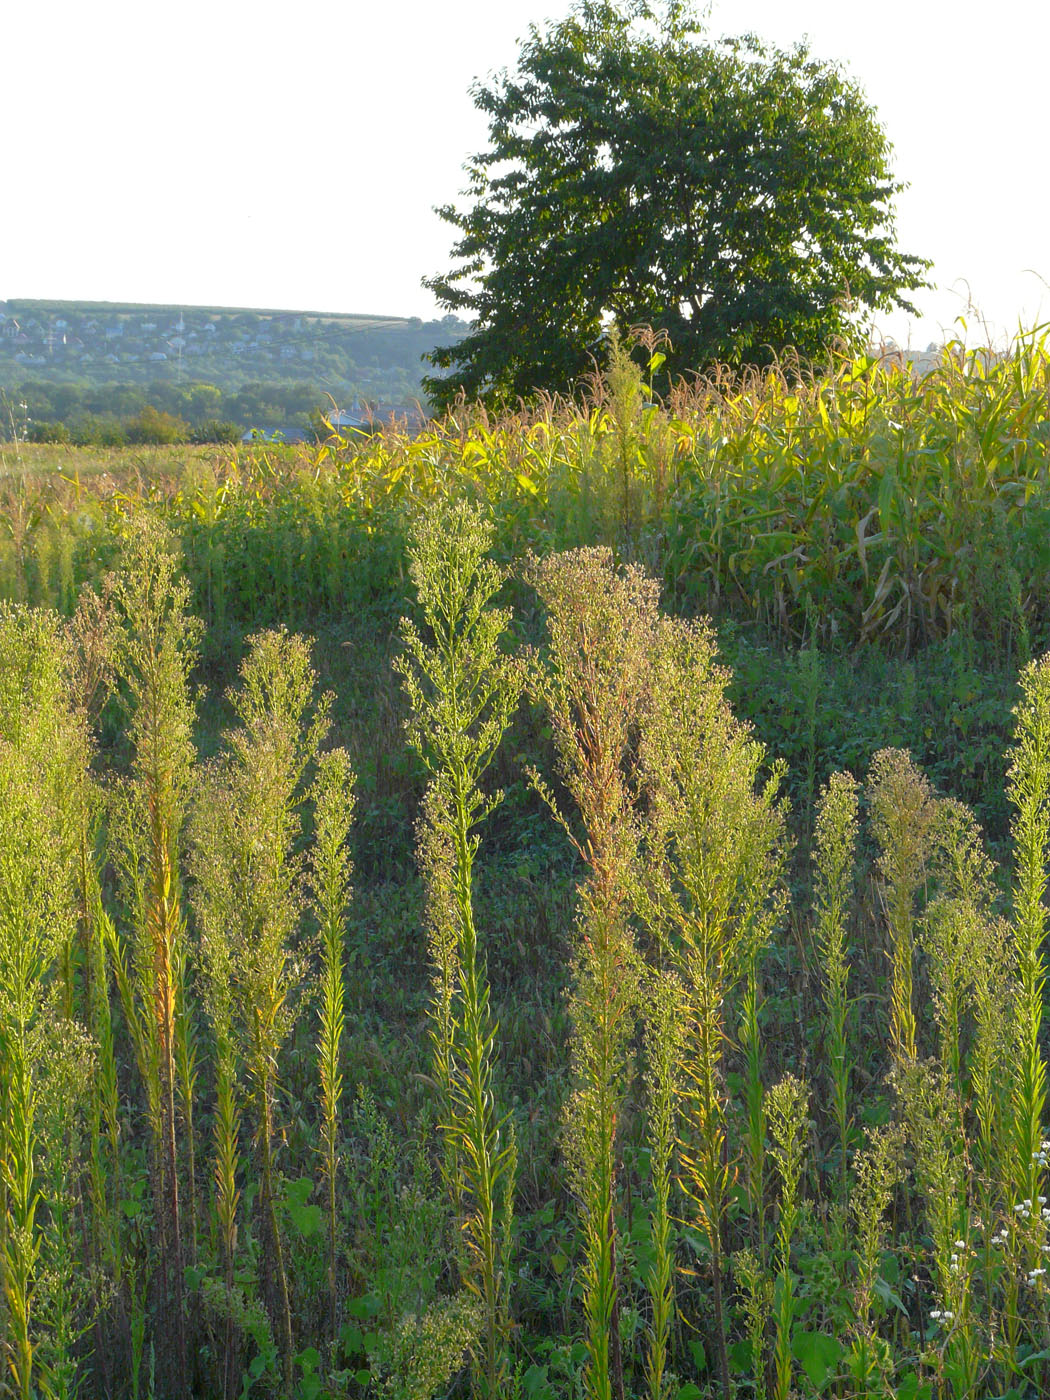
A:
<point x="151" y="425"/>
<point x="112" y="415"/>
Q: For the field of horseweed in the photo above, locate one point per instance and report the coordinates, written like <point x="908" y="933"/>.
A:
<point x="548" y="907"/>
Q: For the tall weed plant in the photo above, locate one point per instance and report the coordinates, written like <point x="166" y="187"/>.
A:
<point x="601" y="625"/>
<point x="462" y="690"/>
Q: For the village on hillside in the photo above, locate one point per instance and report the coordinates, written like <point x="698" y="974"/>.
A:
<point x="373" y="356"/>
<point x="266" y="372"/>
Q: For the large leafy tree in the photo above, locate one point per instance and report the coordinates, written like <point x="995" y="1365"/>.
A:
<point x="738" y="196"/>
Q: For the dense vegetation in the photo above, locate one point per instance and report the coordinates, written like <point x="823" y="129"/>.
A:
<point x="552" y="993"/>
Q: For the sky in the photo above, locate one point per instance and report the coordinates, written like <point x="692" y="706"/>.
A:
<point x="229" y="154"/>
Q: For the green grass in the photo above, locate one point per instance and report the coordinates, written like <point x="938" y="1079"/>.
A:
<point x="129" y="469"/>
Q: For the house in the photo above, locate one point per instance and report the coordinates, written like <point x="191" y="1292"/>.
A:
<point x="409" y="417"/>
<point x="10" y="329"/>
<point x="285" y="435"/>
<point x="354" y="421"/>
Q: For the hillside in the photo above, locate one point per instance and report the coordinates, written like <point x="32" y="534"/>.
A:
<point x="375" y="358"/>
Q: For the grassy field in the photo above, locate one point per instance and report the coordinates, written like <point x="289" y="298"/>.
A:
<point x="526" y="986"/>
<point x="130" y="467"/>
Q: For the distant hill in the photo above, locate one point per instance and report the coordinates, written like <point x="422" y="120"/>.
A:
<point x="372" y="358"/>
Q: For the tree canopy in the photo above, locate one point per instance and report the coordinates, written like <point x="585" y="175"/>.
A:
<point x="735" y="195"/>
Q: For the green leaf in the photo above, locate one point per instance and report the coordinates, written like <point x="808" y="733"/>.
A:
<point x="889" y="1266"/>
<point x="910" y="1388"/>
<point x="351" y="1339"/>
<point x="298" y="1191"/>
<point x="306" y="1219"/>
<point x="887" y="497"/>
<point x="534" y="1381"/>
<point x="740" y="1355"/>
<point x="888" y="1296"/>
<point x="366" y="1306"/>
<point x="818" y="1354"/>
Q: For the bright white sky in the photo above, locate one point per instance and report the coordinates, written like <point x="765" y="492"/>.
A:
<point x="225" y="153"/>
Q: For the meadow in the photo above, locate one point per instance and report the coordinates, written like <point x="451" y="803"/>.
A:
<point x="549" y="907"/>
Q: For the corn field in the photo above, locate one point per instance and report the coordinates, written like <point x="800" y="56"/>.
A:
<point x="510" y="1019"/>
<point x="867" y="504"/>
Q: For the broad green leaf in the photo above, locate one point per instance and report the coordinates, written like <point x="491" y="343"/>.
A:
<point x="818" y="1354"/>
